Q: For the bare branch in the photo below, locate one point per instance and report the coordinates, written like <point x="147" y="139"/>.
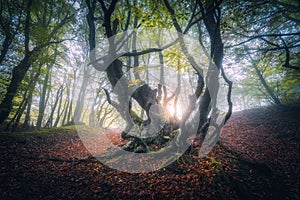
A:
<point x="172" y="12"/>
<point x="287" y="56"/>
<point x="113" y="103"/>
<point x="261" y="36"/>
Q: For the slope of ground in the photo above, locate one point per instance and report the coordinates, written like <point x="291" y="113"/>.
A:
<point x="257" y="158"/>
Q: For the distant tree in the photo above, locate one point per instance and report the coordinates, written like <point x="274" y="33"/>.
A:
<point x="42" y="26"/>
<point x="264" y="36"/>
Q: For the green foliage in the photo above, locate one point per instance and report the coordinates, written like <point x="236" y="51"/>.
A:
<point x="282" y="81"/>
<point x="175" y="58"/>
<point x="49" y="20"/>
<point x="259" y="28"/>
<point x="55" y="20"/>
<point x="4" y="82"/>
<point x="151" y="13"/>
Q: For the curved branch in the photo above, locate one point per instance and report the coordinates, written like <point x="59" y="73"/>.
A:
<point x="230" y="104"/>
<point x="134" y="53"/>
<point x="261" y="36"/>
<point x="287" y="57"/>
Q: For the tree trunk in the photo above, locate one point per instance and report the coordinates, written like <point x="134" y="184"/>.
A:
<point x="59" y="113"/>
<point x="5" y="46"/>
<point x="42" y="101"/>
<point x="211" y="18"/>
<point x="66" y="106"/>
<point x="270" y="92"/>
<point x="27" y="103"/>
<point x="26" y="123"/>
<point x="70" y="116"/>
<point x="18" y="75"/>
<point x="82" y="92"/>
<point x="18" y="113"/>
<point x="18" y="72"/>
<point x="11" y="28"/>
<point x="50" y="119"/>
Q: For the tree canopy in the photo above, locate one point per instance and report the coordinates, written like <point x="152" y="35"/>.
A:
<point x="93" y="62"/>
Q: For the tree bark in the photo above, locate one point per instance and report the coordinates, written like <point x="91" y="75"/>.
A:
<point x="66" y="106"/>
<point x="82" y="92"/>
<point x="49" y="122"/>
<point x="27" y="103"/>
<point x="18" y="75"/>
<point x="59" y="113"/>
<point x="8" y="28"/>
<point x="18" y="72"/>
<point x="70" y="116"/>
<point x="42" y="100"/>
<point x="270" y="92"/>
<point x="26" y="122"/>
<point x="16" y="118"/>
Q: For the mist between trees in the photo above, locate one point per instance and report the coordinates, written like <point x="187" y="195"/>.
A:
<point x="54" y="71"/>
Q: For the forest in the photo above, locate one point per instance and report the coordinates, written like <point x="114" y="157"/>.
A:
<point x="188" y="99"/>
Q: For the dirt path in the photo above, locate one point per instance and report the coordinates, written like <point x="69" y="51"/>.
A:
<point x="258" y="158"/>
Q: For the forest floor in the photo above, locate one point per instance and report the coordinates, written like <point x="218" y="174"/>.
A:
<point x="257" y="158"/>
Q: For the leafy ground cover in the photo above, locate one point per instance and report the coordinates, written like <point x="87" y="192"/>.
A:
<point x="257" y="158"/>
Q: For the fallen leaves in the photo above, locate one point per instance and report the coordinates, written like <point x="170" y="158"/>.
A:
<point x="262" y="160"/>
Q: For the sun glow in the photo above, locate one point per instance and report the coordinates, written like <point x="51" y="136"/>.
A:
<point x="174" y="110"/>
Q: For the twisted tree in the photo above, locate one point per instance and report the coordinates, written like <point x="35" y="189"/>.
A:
<point x="160" y="14"/>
